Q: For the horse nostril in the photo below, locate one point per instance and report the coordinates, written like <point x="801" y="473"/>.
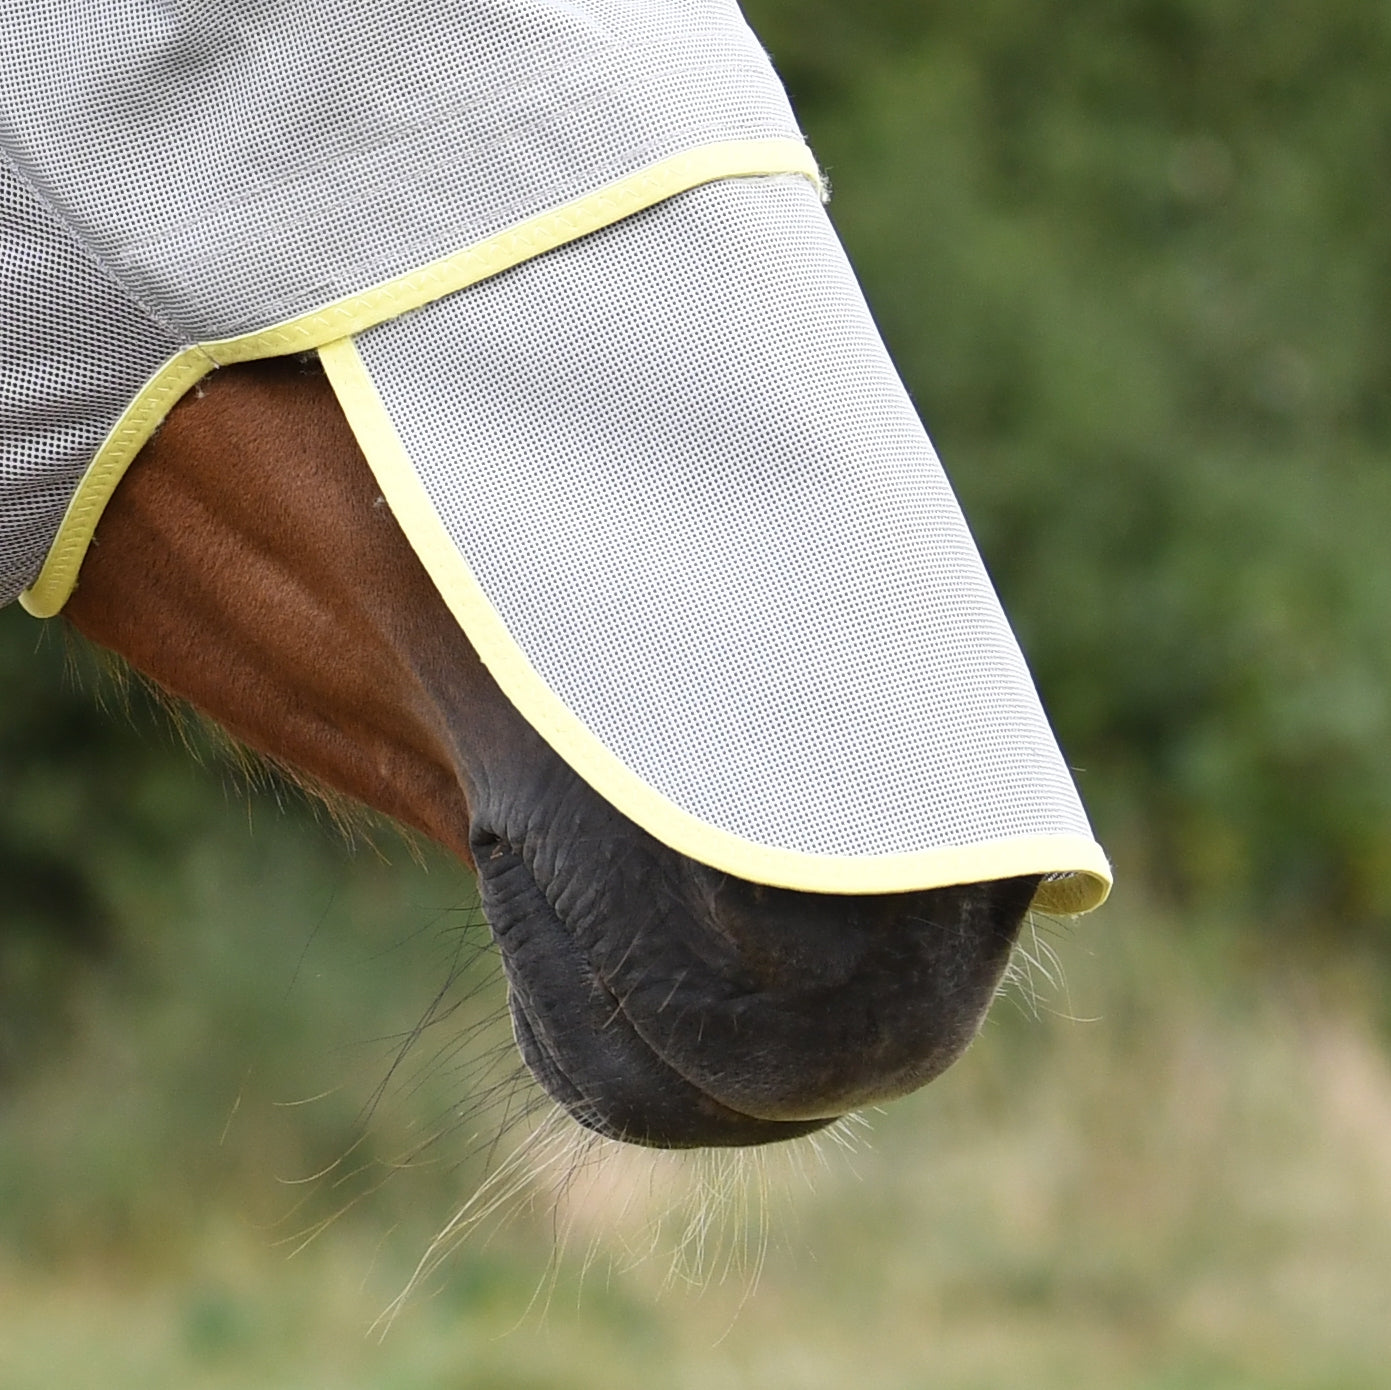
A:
<point x="487" y="846"/>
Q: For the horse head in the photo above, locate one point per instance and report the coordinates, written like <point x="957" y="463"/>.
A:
<point x="645" y="592"/>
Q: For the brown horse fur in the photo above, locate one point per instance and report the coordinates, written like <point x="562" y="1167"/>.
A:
<point x="248" y="564"/>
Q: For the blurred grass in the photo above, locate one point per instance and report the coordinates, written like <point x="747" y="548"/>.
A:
<point x="1175" y="1172"/>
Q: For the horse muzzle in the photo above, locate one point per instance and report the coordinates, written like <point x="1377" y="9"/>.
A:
<point x="667" y="1004"/>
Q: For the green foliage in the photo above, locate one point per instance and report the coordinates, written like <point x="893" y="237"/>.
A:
<point x="84" y="803"/>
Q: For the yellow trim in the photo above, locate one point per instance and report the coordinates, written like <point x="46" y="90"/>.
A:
<point x="141" y="418"/>
<point x="729" y="159"/>
<point x="1087" y="875"/>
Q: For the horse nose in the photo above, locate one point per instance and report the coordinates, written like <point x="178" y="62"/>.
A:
<point x="827" y="1003"/>
<point x="780" y="936"/>
<point x="668" y="1003"/>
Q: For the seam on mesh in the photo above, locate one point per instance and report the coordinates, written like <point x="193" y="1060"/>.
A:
<point x="402" y="133"/>
<point x="624" y="201"/>
<point x="46" y="207"/>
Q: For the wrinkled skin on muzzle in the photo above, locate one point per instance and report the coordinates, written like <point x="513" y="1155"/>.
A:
<point x="666" y="1003"/>
<point x="248" y="564"/>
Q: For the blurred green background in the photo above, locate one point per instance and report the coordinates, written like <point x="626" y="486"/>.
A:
<point x="1134" y="260"/>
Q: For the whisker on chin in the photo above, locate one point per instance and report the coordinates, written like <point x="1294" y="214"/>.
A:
<point x="693" y="1218"/>
<point x="698" y="1218"/>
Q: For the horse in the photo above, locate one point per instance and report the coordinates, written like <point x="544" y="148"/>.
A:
<point x="248" y="564"/>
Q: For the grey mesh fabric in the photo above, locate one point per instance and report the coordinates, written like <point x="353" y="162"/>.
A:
<point x="75" y="348"/>
<point x="567" y="268"/>
<point x="176" y="174"/>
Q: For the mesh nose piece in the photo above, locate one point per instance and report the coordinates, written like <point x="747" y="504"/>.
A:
<point x="668" y="480"/>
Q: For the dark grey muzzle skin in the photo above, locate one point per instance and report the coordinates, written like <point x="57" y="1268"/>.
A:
<point x="669" y="1004"/>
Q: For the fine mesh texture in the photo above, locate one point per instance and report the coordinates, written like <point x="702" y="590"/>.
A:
<point x="678" y="461"/>
<point x="172" y="174"/>
<point x="59" y="396"/>
<point x="241" y="163"/>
